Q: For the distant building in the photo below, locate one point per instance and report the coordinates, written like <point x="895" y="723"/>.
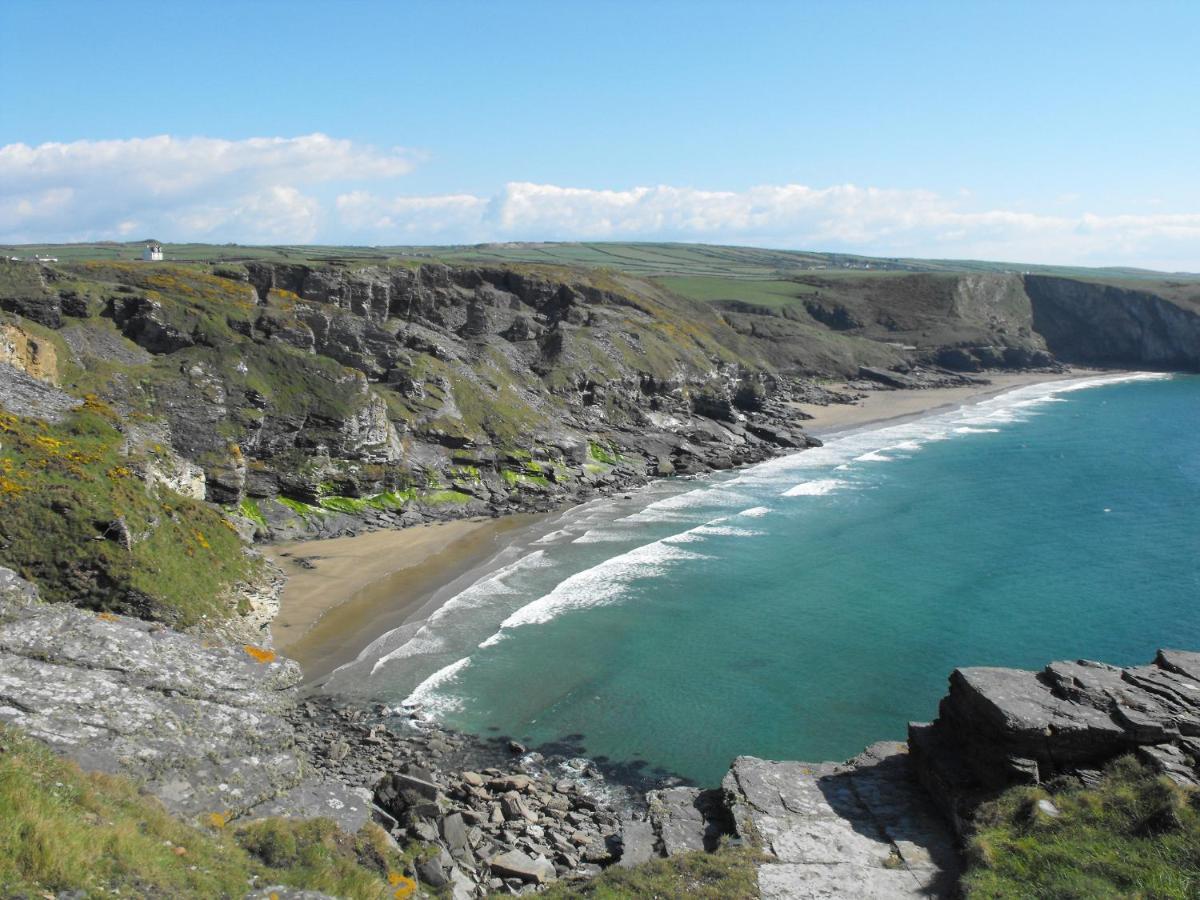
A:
<point x="152" y="252"/>
<point x="46" y="258"/>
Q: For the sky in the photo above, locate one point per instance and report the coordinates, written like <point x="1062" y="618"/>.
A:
<point x="1051" y="132"/>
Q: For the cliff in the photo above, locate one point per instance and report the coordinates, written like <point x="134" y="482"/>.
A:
<point x="1117" y="325"/>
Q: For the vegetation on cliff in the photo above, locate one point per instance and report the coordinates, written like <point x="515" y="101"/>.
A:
<point x="729" y="873"/>
<point x="62" y="830"/>
<point x="1135" y="834"/>
<point x="78" y="518"/>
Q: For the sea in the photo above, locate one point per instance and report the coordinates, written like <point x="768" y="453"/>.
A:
<point x="811" y="605"/>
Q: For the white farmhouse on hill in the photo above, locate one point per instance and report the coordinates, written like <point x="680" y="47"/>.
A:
<point x="152" y="252"/>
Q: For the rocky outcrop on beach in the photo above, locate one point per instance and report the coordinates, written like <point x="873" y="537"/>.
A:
<point x="503" y="818"/>
<point x="998" y="728"/>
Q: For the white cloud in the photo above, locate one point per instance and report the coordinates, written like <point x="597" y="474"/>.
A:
<point x="179" y="188"/>
<point x="317" y="188"/>
<point x="411" y="219"/>
<point x="843" y="217"/>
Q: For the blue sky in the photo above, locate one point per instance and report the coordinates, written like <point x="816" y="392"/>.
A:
<point x="1044" y="132"/>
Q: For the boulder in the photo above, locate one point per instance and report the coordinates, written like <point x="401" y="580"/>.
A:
<point x="515" y="864"/>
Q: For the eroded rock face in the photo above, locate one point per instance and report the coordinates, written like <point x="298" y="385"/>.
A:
<point x="1002" y="727"/>
<point x="1098" y="324"/>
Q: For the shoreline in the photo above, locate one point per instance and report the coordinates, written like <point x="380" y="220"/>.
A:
<point x="382" y="580"/>
<point x="350" y="590"/>
<point x="893" y="407"/>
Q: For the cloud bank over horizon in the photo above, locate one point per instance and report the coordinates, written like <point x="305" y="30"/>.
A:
<point x="315" y="188"/>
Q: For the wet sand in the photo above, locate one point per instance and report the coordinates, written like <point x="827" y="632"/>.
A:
<point x="894" y="406"/>
<point x="360" y="587"/>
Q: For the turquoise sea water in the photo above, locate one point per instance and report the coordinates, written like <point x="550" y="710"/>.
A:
<point x="807" y="607"/>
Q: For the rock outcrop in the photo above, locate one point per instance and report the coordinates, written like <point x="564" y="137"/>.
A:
<point x="200" y="725"/>
<point x="1003" y="727"/>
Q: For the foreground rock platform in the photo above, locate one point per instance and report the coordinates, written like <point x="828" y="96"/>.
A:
<point x="863" y="829"/>
<point x="201" y="727"/>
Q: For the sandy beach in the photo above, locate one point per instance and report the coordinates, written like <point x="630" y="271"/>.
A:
<point x="896" y="405"/>
<point x="348" y="591"/>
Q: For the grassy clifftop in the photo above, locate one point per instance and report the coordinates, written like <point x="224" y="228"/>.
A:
<point x="1135" y="834"/>
<point x="62" y="831"/>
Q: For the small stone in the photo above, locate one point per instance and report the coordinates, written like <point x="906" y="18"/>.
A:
<point x="1046" y="808"/>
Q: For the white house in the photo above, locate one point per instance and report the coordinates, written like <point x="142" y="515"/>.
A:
<point x="152" y="252"/>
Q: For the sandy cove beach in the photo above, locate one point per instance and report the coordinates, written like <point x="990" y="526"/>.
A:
<point x="342" y="593"/>
<point x="896" y="405"/>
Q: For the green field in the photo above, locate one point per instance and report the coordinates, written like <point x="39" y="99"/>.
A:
<point x="668" y="260"/>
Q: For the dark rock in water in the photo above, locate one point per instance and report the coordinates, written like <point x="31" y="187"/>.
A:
<point x="1002" y="727"/>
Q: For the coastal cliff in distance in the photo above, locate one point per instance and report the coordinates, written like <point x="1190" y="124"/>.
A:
<point x="285" y="399"/>
<point x="1118" y="325"/>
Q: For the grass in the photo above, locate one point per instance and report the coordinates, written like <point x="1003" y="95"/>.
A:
<point x="1134" y="835"/>
<point x="771" y="294"/>
<point x="76" y="518"/>
<point x="63" y="830"/>
<point x="727" y="874"/>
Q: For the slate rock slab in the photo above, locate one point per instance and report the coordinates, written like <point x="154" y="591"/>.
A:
<point x="864" y="829"/>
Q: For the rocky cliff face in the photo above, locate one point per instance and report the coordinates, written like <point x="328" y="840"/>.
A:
<point x="1099" y="324"/>
<point x="309" y="400"/>
<point x="202" y="727"/>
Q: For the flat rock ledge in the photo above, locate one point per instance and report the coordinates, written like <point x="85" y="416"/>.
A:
<point x="863" y="829"/>
<point x="201" y="727"/>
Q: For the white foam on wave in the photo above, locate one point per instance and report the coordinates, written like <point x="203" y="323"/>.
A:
<point x="428" y="639"/>
<point x="970" y="429"/>
<point x="429" y="693"/>
<point x="817" y="488"/>
<point x="600" y="585"/>
<point x="755" y="512"/>
<point x="553" y="537"/>
<point x="873" y="456"/>
<point x="724" y="531"/>
<point x="604" y="536"/>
